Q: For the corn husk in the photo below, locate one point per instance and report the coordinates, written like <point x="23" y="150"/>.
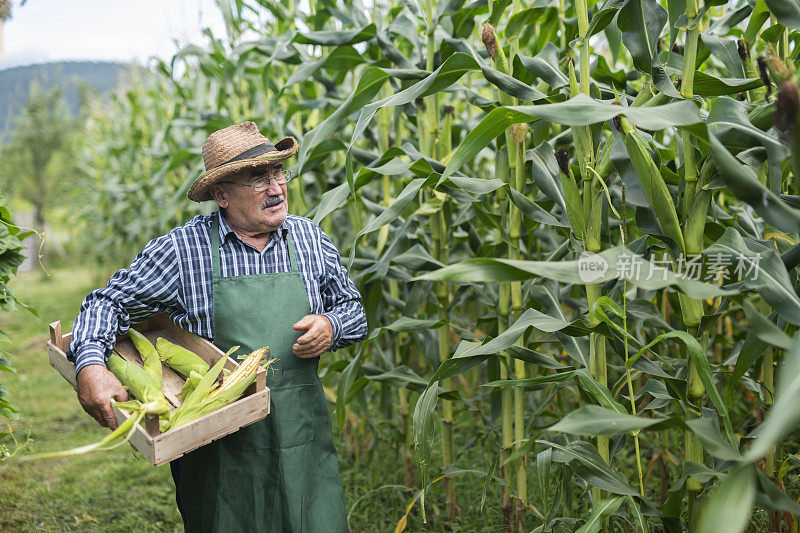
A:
<point x="149" y="354"/>
<point x="179" y="359"/>
<point x="126" y="429"/>
<point x="231" y="390"/>
<point x="139" y="383"/>
<point x="191" y="383"/>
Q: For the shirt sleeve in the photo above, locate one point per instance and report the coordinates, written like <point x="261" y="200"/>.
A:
<point x="341" y="299"/>
<point x="148" y="287"/>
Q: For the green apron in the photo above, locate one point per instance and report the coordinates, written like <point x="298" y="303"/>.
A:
<point x="280" y="474"/>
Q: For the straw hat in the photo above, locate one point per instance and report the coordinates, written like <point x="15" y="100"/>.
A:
<point x="231" y="149"/>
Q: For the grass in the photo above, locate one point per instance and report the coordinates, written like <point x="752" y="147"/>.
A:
<point x="109" y="491"/>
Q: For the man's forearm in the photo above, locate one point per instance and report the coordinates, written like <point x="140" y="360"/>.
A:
<point x="95" y="330"/>
<point x="132" y="294"/>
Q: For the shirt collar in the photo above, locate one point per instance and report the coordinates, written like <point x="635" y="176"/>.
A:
<point x="225" y="230"/>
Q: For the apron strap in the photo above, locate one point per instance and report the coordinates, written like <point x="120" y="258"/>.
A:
<point x="292" y="253"/>
<point x="215" y="269"/>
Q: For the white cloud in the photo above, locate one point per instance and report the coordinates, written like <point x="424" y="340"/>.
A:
<point x="46" y="30"/>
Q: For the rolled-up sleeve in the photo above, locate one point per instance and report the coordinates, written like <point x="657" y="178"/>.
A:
<point x="149" y="286"/>
<point x="341" y="299"/>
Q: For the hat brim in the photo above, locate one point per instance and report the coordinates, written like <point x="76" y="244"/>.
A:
<point x="200" y="191"/>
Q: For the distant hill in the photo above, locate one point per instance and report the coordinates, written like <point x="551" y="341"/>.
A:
<point x="101" y="76"/>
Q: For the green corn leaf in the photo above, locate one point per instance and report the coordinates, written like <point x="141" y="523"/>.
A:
<point x="640" y="22"/>
<point x="336" y="37"/>
<point x="760" y="269"/>
<point x="586" y="462"/>
<point x="599" y="391"/>
<point x="424" y="430"/>
<point x="475" y="353"/>
<point x="764" y="329"/>
<point x="730" y="505"/>
<point x="769" y="496"/>
<point x="532" y="210"/>
<point x="544" y="65"/>
<point x="744" y="185"/>
<point x="725" y="50"/>
<point x="783" y="417"/>
<point x="786" y="11"/>
<point x="600" y="512"/>
<point x="709" y="85"/>
<point x="713" y="442"/>
<point x="612" y="263"/>
<point x="578" y="111"/>
<point x="595" y="420"/>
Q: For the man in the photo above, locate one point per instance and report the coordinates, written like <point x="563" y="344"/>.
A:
<point x="255" y="276"/>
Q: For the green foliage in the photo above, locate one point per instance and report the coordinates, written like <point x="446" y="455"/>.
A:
<point x="36" y="158"/>
<point x="10" y="259"/>
<point x="473" y="279"/>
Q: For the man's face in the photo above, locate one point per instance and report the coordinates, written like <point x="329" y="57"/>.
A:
<point x="251" y="211"/>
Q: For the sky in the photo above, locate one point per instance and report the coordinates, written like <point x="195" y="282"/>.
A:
<point x="121" y="30"/>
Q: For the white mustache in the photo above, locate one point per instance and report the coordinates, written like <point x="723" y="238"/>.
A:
<point x="272" y="201"/>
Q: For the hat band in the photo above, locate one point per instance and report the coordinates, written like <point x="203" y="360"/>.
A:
<point x="255" y="151"/>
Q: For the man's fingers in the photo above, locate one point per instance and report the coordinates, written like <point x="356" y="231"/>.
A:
<point x="308" y="337"/>
<point x="121" y="396"/>
<point x="110" y="421"/>
<point x="304" y="323"/>
<point x="315" y="340"/>
<point x="316" y="348"/>
<point x="305" y="348"/>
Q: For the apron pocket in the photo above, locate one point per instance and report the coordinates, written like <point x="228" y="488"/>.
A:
<point x="288" y="424"/>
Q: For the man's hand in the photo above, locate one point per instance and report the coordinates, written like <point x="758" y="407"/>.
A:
<point x="317" y="337"/>
<point x="96" y="387"/>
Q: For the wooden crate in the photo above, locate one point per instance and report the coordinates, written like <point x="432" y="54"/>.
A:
<point x="161" y="448"/>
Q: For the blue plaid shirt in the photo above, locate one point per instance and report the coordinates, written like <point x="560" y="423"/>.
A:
<point x="173" y="274"/>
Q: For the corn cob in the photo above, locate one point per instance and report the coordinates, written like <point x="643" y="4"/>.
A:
<point x="152" y="364"/>
<point x="185" y="412"/>
<point x="572" y="197"/>
<point x="140" y="383"/>
<point x="180" y="359"/>
<point x="233" y="386"/>
<point x="218" y="399"/>
<point x="652" y="182"/>
<point x="249" y="366"/>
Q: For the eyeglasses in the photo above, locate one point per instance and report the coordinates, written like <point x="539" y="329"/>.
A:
<point x="261" y="183"/>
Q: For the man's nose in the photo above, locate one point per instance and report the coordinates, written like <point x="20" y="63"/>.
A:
<point x="274" y="188"/>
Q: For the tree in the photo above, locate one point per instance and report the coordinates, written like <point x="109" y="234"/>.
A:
<point x="34" y="158"/>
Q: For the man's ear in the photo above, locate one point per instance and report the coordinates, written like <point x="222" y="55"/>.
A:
<point x="220" y="195"/>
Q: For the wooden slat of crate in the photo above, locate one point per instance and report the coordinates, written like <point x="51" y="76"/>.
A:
<point x="161" y="448"/>
<point x="189" y="437"/>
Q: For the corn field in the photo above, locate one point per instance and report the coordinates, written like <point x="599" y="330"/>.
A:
<point x="574" y="224"/>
